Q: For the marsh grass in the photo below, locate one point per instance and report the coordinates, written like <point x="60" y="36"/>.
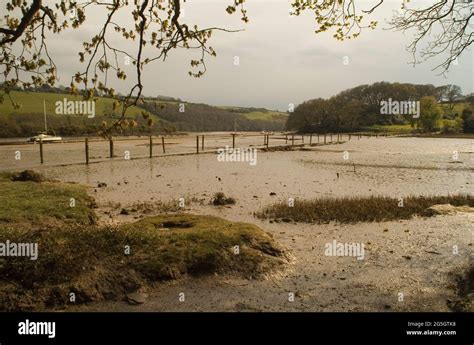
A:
<point x="219" y="199"/>
<point x="359" y="209"/>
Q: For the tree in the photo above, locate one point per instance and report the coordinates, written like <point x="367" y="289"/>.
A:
<point x="442" y="27"/>
<point x="453" y="93"/>
<point x="430" y="114"/>
<point x="468" y="120"/>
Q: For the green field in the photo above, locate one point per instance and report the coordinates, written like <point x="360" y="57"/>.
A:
<point x="257" y="113"/>
<point x="269" y="115"/>
<point x="32" y="103"/>
<point x="407" y="128"/>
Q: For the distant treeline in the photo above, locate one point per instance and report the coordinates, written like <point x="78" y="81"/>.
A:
<point x="360" y="108"/>
<point x="203" y="117"/>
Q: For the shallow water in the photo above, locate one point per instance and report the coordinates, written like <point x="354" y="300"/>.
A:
<point x="388" y="166"/>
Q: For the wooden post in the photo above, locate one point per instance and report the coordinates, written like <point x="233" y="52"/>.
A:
<point x="331" y="137"/>
<point x="302" y="139"/>
<point x="292" y="140"/>
<point x="151" y="146"/>
<point x="111" y="147"/>
<point x="268" y="139"/>
<point x="41" y="151"/>
<point x="87" y="150"/>
<point x="286" y="138"/>
<point x="202" y="143"/>
<point x="233" y="141"/>
<point x="318" y="137"/>
<point x="324" y="138"/>
<point x="197" y="144"/>
<point x="163" y="143"/>
<point x="310" y="139"/>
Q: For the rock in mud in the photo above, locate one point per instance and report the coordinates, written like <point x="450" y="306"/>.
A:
<point x="136" y="298"/>
<point x="447" y="209"/>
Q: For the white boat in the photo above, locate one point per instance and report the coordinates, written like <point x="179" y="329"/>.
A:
<point x="44" y="136"/>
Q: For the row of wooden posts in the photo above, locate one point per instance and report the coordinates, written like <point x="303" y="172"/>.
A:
<point x="200" y="142"/>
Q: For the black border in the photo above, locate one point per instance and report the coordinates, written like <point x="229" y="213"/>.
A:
<point x="236" y="328"/>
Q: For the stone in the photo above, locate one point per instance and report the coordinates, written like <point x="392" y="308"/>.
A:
<point x="137" y="298"/>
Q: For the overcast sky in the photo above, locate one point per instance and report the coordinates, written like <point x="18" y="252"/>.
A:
<point x="281" y="59"/>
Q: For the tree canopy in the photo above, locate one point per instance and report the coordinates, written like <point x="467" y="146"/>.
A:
<point x="361" y="107"/>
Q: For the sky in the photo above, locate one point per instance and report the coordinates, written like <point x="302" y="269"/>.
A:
<point x="281" y="60"/>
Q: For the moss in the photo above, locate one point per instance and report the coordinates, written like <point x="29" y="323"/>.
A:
<point x="40" y="203"/>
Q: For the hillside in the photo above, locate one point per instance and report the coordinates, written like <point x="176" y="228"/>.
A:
<point x="184" y="116"/>
<point x="28" y="119"/>
<point x="168" y="115"/>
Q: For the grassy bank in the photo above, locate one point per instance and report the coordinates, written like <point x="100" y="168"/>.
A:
<point x="96" y="263"/>
<point x="359" y="209"/>
<point x="42" y="203"/>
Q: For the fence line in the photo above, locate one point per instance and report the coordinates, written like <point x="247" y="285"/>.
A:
<point x="200" y="140"/>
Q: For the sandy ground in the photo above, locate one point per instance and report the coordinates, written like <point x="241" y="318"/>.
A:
<point x="410" y="257"/>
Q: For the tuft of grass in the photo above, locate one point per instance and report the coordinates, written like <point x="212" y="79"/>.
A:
<point x="196" y="245"/>
<point x="219" y="199"/>
<point x="360" y="209"/>
<point x="28" y="175"/>
<point x="92" y="261"/>
<point x="39" y="203"/>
